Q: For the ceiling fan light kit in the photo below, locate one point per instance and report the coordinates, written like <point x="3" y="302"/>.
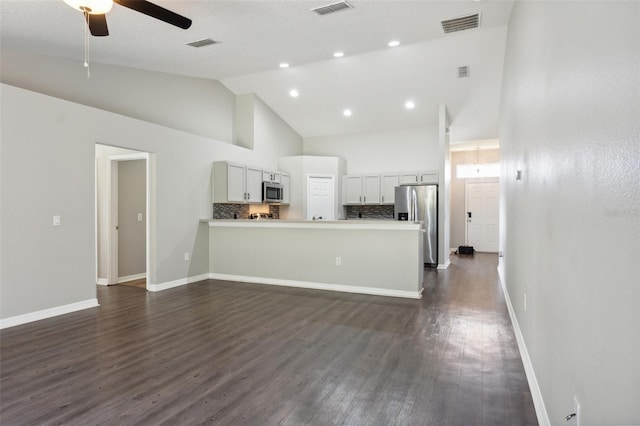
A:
<point x="97" y="22"/>
<point x="92" y="7"/>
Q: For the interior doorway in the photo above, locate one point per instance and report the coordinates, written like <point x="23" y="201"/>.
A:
<point x="320" y="198"/>
<point x="127" y="256"/>
<point x="482" y="215"/>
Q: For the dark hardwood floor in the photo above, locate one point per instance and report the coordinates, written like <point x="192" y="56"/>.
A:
<point x="228" y="353"/>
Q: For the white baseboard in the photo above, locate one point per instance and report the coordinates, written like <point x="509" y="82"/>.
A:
<point x="318" y="286"/>
<point x="177" y="283"/>
<point x="536" y="394"/>
<point x="47" y="313"/>
<point x="102" y="281"/>
<point x="444" y="266"/>
<point x="132" y="277"/>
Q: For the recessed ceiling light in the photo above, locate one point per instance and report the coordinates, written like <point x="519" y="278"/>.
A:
<point x="394" y="43"/>
<point x="284" y="65"/>
<point x="338" y="54"/>
<point x="294" y="93"/>
<point x="409" y="105"/>
<point x="347" y="113"/>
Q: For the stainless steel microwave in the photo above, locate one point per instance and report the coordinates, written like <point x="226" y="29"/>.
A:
<point x="271" y="192"/>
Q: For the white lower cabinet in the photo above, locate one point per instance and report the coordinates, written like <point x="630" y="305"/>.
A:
<point x="236" y="183"/>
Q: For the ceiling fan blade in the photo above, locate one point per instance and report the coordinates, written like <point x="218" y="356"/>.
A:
<point x="97" y="25"/>
<point x="157" y="12"/>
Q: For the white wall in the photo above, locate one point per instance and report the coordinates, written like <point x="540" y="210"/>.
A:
<point x="194" y="105"/>
<point x="570" y="120"/>
<point x="384" y="151"/>
<point x="49" y="169"/>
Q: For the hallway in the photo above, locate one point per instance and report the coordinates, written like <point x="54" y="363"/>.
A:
<point x="229" y="353"/>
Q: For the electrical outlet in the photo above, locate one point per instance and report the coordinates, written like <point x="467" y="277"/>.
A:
<point x="139" y="217"/>
<point x="525" y="302"/>
<point x="187" y="257"/>
<point x="56" y="221"/>
<point x="338" y="261"/>
<point x="576" y="409"/>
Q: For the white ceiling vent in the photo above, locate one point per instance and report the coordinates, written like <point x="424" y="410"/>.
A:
<point x="462" y="23"/>
<point x="202" y="43"/>
<point x="463" y="71"/>
<point x="331" y="8"/>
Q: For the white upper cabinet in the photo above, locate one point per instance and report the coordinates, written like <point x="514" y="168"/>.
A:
<point x="411" y="178"/>
<point x="285" y="181"/>
<point x="361" y="189"/>
<point x="408" y="178"/>
<point x="371" y="189"/>
<point x="388" y="183"/>
<point x="429" y="177"/>
<point x="236" y="183"/>
<point x="381" y="188"/>
<point x="254" y="185"/>
<point x="353" y="189"/>
<point x="271" y="176"/>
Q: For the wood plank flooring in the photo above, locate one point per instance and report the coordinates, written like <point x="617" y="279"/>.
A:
<point x="229" y="353"/>
<point x="139" y="283"/>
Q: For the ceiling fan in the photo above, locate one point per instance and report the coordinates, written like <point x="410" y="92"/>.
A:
<point x="95" y="13"/>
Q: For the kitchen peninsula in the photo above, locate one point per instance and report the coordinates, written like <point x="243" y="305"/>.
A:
<point x="359" y="256"/>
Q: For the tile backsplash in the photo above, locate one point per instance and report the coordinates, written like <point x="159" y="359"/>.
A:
<point x="370" y="212"/>
<point x="241" y="211"/>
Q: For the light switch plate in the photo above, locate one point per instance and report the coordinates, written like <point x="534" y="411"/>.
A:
<point x="56" y="220"/>
<point x="139" y="217"/>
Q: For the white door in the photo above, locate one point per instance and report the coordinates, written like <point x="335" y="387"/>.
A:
<point x="482" y="215"/>
<point x="320" y="194"/>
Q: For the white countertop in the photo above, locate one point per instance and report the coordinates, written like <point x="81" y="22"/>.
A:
<point x="315" y="224"/>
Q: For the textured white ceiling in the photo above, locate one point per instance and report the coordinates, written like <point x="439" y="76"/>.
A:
<point x="256" y="36"/>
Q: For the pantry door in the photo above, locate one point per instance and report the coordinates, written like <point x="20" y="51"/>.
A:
<point x="320" y="196"/>
<point x="482" y="201"/>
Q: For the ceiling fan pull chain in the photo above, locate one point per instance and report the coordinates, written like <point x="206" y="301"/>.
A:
<point x="86" y="43"/>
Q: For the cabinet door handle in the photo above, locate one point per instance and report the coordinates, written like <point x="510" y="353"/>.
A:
<point x="365" y="198"/>
<point x="360" y="198"/>
<point x="383" y="198"/>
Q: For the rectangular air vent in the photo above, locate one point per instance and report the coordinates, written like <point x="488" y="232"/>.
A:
<point x="463" y="71"/>
<point x="462" y="23"/>
<point x="331" y="8"/>
<point x="203" y="42"/>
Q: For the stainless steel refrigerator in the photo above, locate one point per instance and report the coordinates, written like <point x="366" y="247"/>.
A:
<point x="420" y="203"/>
